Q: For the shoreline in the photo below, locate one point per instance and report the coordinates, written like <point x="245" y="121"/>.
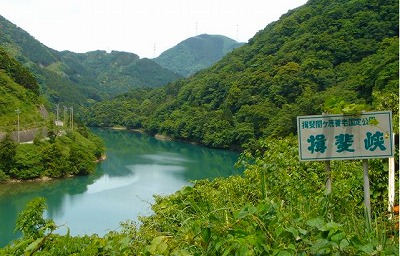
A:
<point x="163" y="137"/>
<point x="47" y="178"/>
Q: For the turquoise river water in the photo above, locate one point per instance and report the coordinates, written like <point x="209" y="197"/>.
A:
<point x="137" y="167"/>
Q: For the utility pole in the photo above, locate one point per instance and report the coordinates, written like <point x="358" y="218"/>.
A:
<point x="57" y="112"/>
<point x="72" y="118"/>
<point x="65" y="115"/>
<point x="18" y="112"/>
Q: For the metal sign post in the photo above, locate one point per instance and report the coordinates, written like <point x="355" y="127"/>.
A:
<point x="391" y="185"/>
<point x="328" y="183"/>
<point x="367" y="200"/>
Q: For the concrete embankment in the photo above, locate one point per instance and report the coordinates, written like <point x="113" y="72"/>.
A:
<point x="26" y="135"/>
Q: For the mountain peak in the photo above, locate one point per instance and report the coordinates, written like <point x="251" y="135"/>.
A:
<point x="196" y="53"/>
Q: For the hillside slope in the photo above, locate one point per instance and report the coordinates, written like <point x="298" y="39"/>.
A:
<point x="74" y="78"/>
<point x="318" y="57"/>
<point x="115" y="72"/>
<point x="196" y="53"/>
<point x="67" y="150"/>
<point x="18" y="91"/>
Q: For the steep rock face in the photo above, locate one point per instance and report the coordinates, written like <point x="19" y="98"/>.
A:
<point x="196" y="53"/>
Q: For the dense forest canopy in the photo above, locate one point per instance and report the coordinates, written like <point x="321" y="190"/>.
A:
<point x="317" y="58"/>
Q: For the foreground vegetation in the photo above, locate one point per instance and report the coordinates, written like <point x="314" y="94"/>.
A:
<point x="279" y="207"/>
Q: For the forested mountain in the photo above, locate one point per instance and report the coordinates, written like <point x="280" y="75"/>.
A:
<point x="66" y="77"/>
<point x="317" y="58"/>
<point x="196" y="53"/>
<point x="115" y="72"/>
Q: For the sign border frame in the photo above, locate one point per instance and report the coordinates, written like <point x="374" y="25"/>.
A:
<point x="388" y="112"/>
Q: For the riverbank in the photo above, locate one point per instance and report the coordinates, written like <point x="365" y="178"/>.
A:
<point x="47" y="178"/>
<point x="157" y="136"/>
<point x="40" y="179"/>
<point x="164" y="137"/>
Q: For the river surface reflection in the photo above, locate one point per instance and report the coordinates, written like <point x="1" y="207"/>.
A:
<point x="137" y="167"/>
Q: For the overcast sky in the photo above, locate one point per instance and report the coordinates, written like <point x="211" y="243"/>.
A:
<point x="144" y="27"/>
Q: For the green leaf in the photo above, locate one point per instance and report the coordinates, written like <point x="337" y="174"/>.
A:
<point x="368" y="248"/>
<point x="331" y="226"/>
<point x="23" y="243"/>
<point x="181" y="253"/>
<point x="339" y="236"/>
<point x="247" y="210"/>
<point x="68" y="232"/>
<point x="278" y="231"/>
<point x="158" y="245"/>
<point x="294" y="232"/>
<point x="125" y="241"/>
<point x="302" y="231"/>
<point x="243" y="250"/>
<point x="316" y="223"/>
<point x="321" y="246"/>
<point x="186" y="190"/>
<point x="284" y="253"/>
<point x="34" y="245"/>
<point x="344" y="244"/>
<point x="206" y="234"/>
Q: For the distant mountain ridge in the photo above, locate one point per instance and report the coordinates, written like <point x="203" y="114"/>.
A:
<point x="83" y="78"/>
<point x="115" y="72"/>
<point x="80" y="78"/>
<point x="196" y="53"/>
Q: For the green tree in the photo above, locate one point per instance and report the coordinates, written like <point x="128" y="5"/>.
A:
<point x="54" y="160"/>
<point x="81" y="161"/>
<point x="8" y="150"/>
<point x="52" y="130"/>
<point x="31" y="222"/>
